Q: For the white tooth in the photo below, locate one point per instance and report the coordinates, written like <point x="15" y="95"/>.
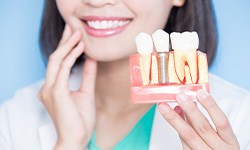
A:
<point x="109" y="24"/>
<point x="91" y="24"/>
<point x="114" y="25"/>
<point x="185" y="45"/>
<point x="175" y="37"/>
<point x="121" y="23"/>
<point x="95" y="24"/>
<point x="161" y="41"/>
<point x="195" y="38"/>
<point x="126" y="22"/>
<point x="144" y="45"/>
<point x="178" y="54"/>
<point x="104" y="24"/>
<point x="190" y="40"/>
<point x="100" y="25"/>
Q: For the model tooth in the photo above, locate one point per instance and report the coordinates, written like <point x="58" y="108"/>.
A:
<point x="203" y="69"/>
<point x="173" y="78"/>
<point x="154" y="71"/>
<point x="179" y="59"/>
<point x="187" y="75"/>
<point x="176" y="39"/>
<point x="185" y="45"/>
<point x="161" y="40"/>
<point x="144" y="45"/>
<point x="191" y="58"/>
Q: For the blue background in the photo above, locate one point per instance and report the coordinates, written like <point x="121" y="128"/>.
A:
<point x="21" y="63"/>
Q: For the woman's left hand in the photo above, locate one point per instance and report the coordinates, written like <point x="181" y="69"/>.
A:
<point x="196" y="132"/>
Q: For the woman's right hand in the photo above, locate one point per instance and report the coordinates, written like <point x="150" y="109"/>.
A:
<point x="73" y="112"/>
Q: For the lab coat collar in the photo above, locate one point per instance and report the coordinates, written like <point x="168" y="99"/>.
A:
<point x="163" y="136"/>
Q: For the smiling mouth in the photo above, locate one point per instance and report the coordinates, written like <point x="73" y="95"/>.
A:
<point x="99" y="22"/>
<point x="105" y="26"/>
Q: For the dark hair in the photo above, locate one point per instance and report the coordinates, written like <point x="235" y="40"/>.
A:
<point x="195" y="15"/>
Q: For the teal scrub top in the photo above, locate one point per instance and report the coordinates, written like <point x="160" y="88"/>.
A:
<point x="138" y="138"/>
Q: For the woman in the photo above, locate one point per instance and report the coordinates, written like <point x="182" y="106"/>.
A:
<point x="91" y="108"/>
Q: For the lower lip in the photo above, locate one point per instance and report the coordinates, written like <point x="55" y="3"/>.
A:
<point x="101" y="33"/>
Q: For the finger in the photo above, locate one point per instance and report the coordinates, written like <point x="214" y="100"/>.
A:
<point x="66" y="34"/>
<point x="178" y="110"/>
<point x="184" y="144"/>
<point x="57" y="56"/>
<point x="199" y="122"/>
<point x="66" y="65"/>
<point x="89" y="76"/>
<point x="187" y="133"/>
<point x="218" y="117"/>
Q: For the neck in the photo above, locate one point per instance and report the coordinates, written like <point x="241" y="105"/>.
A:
<point x="113" y="84"/>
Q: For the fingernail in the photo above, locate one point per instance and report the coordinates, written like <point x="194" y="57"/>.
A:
<point x="164" y="108"/>
<point x="178" y="110"/>
<point x="202" y="94"/>
<point x="181" y="98"/>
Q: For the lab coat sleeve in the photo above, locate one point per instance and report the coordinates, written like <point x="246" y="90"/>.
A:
<point x="243" y="124"/>
<point x="5" y="140"/>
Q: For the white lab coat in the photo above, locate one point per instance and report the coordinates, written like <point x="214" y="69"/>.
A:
<point x="26" y="125"/>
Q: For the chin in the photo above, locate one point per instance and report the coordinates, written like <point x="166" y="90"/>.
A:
<point x="107" y="54"/>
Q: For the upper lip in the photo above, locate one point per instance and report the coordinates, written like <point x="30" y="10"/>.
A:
<point x="104" y="18"/>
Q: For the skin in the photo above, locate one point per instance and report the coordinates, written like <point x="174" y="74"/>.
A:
<point x="96" y="105"/>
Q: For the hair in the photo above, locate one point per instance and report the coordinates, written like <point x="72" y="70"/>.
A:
<point x="194" y="15"/>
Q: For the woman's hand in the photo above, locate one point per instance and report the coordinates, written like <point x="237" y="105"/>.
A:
<point x="196" y="133"/>
<point x="72" y="112"/>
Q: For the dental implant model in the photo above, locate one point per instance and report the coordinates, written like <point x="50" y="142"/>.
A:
<point x="185" y="46"/>
<point x="145" y="48"/>
<point x="161" y="43"/>
<point x="159" y="75"/>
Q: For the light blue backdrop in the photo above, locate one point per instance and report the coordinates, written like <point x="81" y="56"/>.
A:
<point x="21" y="63"/>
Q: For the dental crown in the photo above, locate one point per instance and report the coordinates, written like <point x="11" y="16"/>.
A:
<point x="144" y="43"/>
<point x="161" y="40"/>
<point x="184" y="41"/>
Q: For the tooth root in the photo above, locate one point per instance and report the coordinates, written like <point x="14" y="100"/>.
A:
<point x="203" y="68"/>
<point x="154" y="71"/>
<point x="191" y="58"/>
<point x="179" y="59"/>
<point x="187" y="75"/>
<point x="145" y="63"/>
<point x="172" y="76"/>
<point x="143" y="76"/>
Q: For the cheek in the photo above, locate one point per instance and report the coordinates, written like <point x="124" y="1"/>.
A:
<point x="151" y="13"/>
<point x="66" y="9"/>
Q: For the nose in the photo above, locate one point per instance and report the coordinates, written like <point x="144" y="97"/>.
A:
<point x="100" y="3"/>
